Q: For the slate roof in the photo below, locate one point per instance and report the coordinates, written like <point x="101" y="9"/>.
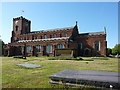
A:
<point x="57" y="29"/>
<point x="93" y="33"/>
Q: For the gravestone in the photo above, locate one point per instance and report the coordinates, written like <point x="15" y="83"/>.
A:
<point x="30" y="65"/>
<point x="92" y="78"/>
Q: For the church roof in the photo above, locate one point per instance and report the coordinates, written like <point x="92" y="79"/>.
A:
<point x="57" y="29"/>
<point x="93" y="33"/>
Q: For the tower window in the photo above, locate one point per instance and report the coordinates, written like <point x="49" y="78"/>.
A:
<point x="16" y="28"/>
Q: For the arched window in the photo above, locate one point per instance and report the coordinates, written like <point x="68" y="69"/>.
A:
<point x="97" y="45"/>
<point x="40" y="37"/>
<point x="49" y="48"/>
<point x="28" y="49"/>
<point x="16" y="28"/>
<point x="27" y="38"/>
<point x="60" y="35"/>
<point x="60" y="46"/>
<point x="38" y="48"/>
<point x="20" y="38"/>
<point x="50" y="36"/>
<point x="45" y="36"/>
<point x="32" y="37"/>
<point x="80" y="45"/>
<point x="65" y="35"/>
<point x="24" y="38"/>
<point x="36" y="37"/>
<point x="54" y="35"/>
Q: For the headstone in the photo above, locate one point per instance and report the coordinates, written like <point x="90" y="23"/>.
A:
<point x="30" y="65"/>
<point x="94" y="78"/>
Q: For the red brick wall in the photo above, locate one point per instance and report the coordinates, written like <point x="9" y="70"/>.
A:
<point x="88" y="42"/>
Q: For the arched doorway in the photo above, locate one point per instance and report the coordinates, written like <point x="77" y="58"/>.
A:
<point x="87" y="52"/>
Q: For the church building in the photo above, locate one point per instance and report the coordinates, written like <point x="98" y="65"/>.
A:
<point x="49" y="42"/>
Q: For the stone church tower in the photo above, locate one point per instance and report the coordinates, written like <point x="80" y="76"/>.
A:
<point x="20" y="26"/>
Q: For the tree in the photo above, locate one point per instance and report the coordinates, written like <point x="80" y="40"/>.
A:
<point x="1" y="47"/>
<point x="109" y="51"/>
<point x="116" y="49"/>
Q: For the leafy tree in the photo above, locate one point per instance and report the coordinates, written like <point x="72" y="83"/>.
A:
<point x="116" y="49"/>
<point x="1" y="47"/>
<point x="109" y="51"/>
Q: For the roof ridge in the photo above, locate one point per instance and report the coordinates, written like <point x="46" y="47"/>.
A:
<point x="54" y="29"/>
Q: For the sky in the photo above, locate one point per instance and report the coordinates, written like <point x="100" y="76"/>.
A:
<point x="91" y="17"/>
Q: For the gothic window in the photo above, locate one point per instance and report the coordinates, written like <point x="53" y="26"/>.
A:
<point x="38" y="48"/>
<point x="28" y="49"/>
<point x="54" y="35"/>
<point x="49" y="48"/>
<point x="36" y="37"/>
<point x="20" y="38"/>
<point x="32" y="37"/>
<point x="16" y="28"/>
<point x="60" y="46"/>
<point x="20" y="50"/>
<point x="65" y="35"/>
<point x="26" y="29"/>
<point x="80" y="45"/>
<point x="50" y="36"/>
<point x="97" y="45"/>
<point x="60" y="35"/>
<point x="45" y="36"/>
<point x="40" y="37"/>
<point x="27" y="38"/>
<point x="24" y="38"/>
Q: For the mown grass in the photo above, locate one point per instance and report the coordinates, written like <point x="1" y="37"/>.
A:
<point x="14" y="76"/>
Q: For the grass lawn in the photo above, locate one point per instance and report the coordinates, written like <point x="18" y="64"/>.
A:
<point x="20" y="77"/>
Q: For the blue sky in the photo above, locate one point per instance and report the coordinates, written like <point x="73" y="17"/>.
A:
<point x="91" y="17"/>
